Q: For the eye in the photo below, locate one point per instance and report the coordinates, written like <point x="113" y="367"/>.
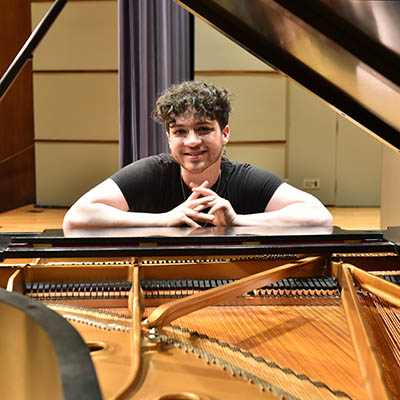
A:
<point x="179" y="132"/>
<point x="203" y="130"/>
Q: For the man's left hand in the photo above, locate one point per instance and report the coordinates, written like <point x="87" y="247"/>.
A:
<point x="224" y="214"/>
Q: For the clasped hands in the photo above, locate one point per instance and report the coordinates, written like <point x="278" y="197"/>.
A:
<point x="221" y="212"/>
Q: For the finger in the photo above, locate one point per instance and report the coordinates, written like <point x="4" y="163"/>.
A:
<point x="202" y="200"/>
<point x="190" y="222"/>
<point x="199" y="210"/>
<point x="210" y="202"/>
<point x="195" y="195"/>
<point x="203" y="191"/>
<point x="198" y="216"/>
<point x="201" y="207"/>
<point x="204" y="217"/>
<point x="204" y="184"/>
<point x="217" y="207"/>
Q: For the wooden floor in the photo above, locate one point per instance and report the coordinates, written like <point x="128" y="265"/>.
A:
<point x="359" y="218"/>
<point x="35" y="219"/>
<point x="31" y="219"/>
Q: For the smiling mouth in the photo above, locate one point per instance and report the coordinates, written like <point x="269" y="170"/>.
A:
<point x="195" y="153"/>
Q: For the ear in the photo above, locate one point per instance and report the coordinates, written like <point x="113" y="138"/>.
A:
<point x="225" y="135"/>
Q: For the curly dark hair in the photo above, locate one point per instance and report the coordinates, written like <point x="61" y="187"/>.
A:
<point x="200" y="98"/>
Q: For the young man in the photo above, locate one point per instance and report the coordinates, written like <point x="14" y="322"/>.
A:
<point x="195" y="185"/>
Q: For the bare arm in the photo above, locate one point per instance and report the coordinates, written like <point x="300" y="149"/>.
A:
<point x="292" y="207"/>
<point x="105" y="206"/>
<point x="102" y="206"/>
<point x="287" y="207"/>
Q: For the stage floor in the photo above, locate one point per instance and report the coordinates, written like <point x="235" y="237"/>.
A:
<point x="30" y="218"/>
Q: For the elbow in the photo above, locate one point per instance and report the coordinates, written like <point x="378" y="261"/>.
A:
<point x="316" y="215"/>
<point x="69" y="223"/>
<point x="324" y="218"/>
<point x="328" y="221"/>
<point x="72" y="220"/>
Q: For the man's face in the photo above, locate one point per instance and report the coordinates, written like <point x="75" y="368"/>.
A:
<point x="196" y="144"/>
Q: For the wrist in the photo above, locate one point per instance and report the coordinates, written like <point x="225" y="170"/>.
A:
<point x="237" y="220"/>
<point x="242" y="220"/>
<point x="165" y="219"/>
<point x="162" y="219"/>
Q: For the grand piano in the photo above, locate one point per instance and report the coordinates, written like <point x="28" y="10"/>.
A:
<point x="216" y="313"/>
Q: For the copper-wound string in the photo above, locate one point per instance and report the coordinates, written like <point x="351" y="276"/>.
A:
<point x="274" y="333"/>
<point x="384" y="320"/>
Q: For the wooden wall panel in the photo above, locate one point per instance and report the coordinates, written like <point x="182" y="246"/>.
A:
<point x="311" y="143"/>
<point x="84" y="37"/>
<point x="259" y="105"/>
<point x="358" y="166"/>
<point x="76" y="100"/>
<point x="390" y="189"/>
<point x="17" y="178"/>
<point x="65" y="171"/>
<point x="268" y="107"/>
<point x="76" y="106"/>
<point x="263" y="155"/>
<point x="258" y="119"/>
<point x="216" y="52"/>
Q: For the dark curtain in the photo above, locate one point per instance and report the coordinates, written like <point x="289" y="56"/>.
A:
<point x="155" y="50"/>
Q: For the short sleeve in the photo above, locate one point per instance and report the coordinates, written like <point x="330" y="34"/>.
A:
<point x="150" y="184"/>
<point x="249" y="189"/>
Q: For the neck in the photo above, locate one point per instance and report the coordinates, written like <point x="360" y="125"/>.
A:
<point x="211" y="175"/>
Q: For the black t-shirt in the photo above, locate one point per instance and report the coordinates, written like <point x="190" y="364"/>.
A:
<point x="153" y="185"/>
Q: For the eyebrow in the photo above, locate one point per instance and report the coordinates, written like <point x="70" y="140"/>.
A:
<point x="174" y="124"/>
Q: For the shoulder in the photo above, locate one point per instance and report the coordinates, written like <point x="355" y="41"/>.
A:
<point x="246" y="171"/>
<point x="231" y="165"/>
<point x="248" y="188"/>
<point x="146" y="165"/>
<point x="162" y="159"/>
<point x="145" y="179"/>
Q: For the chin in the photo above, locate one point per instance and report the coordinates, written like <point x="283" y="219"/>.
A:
<point x="194" y="169"/>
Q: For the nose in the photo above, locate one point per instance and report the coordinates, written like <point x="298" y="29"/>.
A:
<point x="192" y="139"/>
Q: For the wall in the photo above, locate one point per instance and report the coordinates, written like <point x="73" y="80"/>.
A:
<point x="390" y="210"/>
<point x="275" y="123"/>
<point x="75" y="76"/>
<point x="17" y="163"/>
<point x="258" y="120"/>
<point x="280" y="126"/>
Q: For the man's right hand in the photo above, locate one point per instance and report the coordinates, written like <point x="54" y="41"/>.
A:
<point x="189" y="212"/>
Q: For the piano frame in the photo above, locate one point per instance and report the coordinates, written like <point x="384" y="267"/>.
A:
<point x="247" y="258"/>
<point x="313" y="254"/>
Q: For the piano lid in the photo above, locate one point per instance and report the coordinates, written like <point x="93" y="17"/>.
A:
<point x="345" y="51"/>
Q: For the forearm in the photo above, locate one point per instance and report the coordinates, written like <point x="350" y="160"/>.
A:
<point x="297" y="214"/>
<point x="99" y="215"/>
